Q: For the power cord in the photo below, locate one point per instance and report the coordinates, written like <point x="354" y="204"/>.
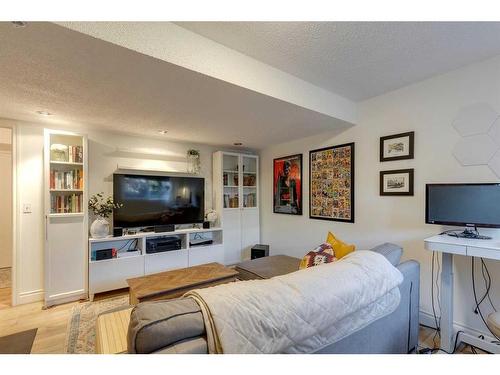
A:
<point x="478" y="308"/>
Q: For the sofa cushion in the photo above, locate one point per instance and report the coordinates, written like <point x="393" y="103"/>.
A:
<point x="391" y="251"/>
<point x="158" y="324"/>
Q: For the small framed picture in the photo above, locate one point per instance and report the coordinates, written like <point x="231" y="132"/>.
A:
<point x="397" y="146"/>
<point x="396" y="182"/>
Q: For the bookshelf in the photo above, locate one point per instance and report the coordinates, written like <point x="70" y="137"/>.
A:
<point x="236" y="199"/>
<point x="66" y="219"/>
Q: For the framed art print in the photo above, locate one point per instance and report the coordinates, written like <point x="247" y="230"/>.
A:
<point x="331" y="183"/>
<point x="396" y="182"/>
<point x="397" y="146"/>
<point x="287" y="185"/>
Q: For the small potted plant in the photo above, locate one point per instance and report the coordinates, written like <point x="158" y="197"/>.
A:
<point x="102" y="208"/>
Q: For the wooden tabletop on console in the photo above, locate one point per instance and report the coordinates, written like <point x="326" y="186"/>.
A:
<point x="173" y="284"/>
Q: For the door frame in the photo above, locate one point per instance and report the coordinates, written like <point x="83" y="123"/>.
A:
<point x="15" y="240"/>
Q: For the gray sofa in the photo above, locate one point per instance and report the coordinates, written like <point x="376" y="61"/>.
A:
<point x="176" y="326"/>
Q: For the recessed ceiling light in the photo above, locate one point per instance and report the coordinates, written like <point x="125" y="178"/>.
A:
<point x="44" y="113"/>
<point x="19" y="23"/>
<point x="238" y="144"/>
<point x="163" y="131"/>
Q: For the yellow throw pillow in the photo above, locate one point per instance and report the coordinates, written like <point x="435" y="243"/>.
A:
<point x="340" y="248"/>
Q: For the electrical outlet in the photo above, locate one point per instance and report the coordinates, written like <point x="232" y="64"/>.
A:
<point x="26" y="208"/>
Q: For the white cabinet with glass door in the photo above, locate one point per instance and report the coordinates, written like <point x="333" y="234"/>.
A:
<point x="236" y="200"/>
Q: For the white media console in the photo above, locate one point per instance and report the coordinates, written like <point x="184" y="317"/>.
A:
<point x="111" y="274"/>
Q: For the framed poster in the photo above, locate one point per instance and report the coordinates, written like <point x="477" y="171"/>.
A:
<point x="397" y="146"/>
<point x="331" y="183"/>
<point x="287" y="185"/>
<point x="396" y="182"/>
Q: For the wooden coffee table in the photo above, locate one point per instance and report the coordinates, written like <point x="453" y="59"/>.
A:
<point x="173" y="284"/>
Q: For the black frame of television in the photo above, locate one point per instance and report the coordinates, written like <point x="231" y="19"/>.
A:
<point x="200" y="220"/>
<point x="456" y="223"/>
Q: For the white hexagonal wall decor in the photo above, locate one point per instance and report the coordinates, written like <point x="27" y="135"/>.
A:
<point x="475" y="150"/>
<point x="475" y="119"/>
<point x="494" y="132"/>
<point x="494" y="164"/>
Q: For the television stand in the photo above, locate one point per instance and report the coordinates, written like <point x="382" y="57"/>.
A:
<point x="469" y="233"/>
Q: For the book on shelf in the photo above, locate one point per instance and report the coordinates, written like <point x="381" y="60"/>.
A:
<point x="64" y="153"/>
<point x="71" y="180"/>
<point x="66" y="204"/>
<point x="75" y="154"/>
<point x="249" y="200"/>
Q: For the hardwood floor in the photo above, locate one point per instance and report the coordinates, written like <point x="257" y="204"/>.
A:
<point x="52" y="323"/>
<point x="428" y="339"/>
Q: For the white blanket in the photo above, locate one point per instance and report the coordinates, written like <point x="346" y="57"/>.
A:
<point x="300" y="312"/>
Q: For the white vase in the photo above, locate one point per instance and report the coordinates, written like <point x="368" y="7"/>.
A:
<point x="99" y="228"/>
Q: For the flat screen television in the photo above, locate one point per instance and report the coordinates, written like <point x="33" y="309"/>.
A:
<point x="157" y="200"/>
<point x="471" y="205"/>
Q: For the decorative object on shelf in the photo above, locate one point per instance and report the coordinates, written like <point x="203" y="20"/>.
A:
<point x="211" y="216"/>
<point x="397" y="146"/>
<point x="193" y="161"/>
<point x="331" y="183"/>
<point x="102" y="209"/>
<point x="58" y="152"/>
<point x="396" y="182"/>
<point x="287" y="185"/>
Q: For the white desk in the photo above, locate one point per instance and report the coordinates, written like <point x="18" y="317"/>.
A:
<point x="448" y="245"/>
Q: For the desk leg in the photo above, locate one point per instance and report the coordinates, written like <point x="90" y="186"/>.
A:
<point x="447" y="302"/>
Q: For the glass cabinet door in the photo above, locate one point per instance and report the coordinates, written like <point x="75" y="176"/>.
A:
<point x="230" y="180"/>
<point x="249" y="181"/>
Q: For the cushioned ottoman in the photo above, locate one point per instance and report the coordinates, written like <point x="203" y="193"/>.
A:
<point x="267" y="267"/>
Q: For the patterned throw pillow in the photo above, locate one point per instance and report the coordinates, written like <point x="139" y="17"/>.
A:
<point x="322" y="254"/>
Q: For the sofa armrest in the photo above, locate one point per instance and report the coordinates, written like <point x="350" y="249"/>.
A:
<point x="159" y="324"/>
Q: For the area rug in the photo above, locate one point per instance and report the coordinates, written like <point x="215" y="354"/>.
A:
<point x="18" y="343"/>
<point x="5" y="277"/>
<point x="80" y="334"/>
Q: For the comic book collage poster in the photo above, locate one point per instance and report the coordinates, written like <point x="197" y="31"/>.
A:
<point x="287" y="185"/>
<point x="332" y="183"/>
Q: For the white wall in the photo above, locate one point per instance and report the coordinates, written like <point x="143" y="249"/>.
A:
<point x="5" y="198"/>
<point x="428" y="108"/>
<point x="106" y="151"/>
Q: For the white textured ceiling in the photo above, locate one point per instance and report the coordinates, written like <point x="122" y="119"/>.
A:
<point x="90" y="82"/>
<point x="358" y="60"/>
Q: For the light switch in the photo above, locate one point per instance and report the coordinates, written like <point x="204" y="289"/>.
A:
<point x="26" y="208"/>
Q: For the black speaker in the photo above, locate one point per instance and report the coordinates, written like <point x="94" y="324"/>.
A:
<point x="117" y="232"/>
<point x="206" y="225"/>
<point x="259" y="251"/>
<point x="164" y="228"/>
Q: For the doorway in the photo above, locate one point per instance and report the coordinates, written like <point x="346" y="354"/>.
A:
<point x="6" y="215"/>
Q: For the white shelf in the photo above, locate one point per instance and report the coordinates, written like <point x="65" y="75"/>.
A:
<point x="68" y="214"/>
<point x="65" y="163"/>
<point x="66" y="190"/>
<point x="152" y="234"/>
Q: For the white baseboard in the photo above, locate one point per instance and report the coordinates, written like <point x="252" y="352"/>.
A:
<point x="29" y="297"/>
<point x="65" y="297"/>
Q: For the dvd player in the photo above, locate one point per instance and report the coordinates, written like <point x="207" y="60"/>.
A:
<point x="161" y="244"/>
